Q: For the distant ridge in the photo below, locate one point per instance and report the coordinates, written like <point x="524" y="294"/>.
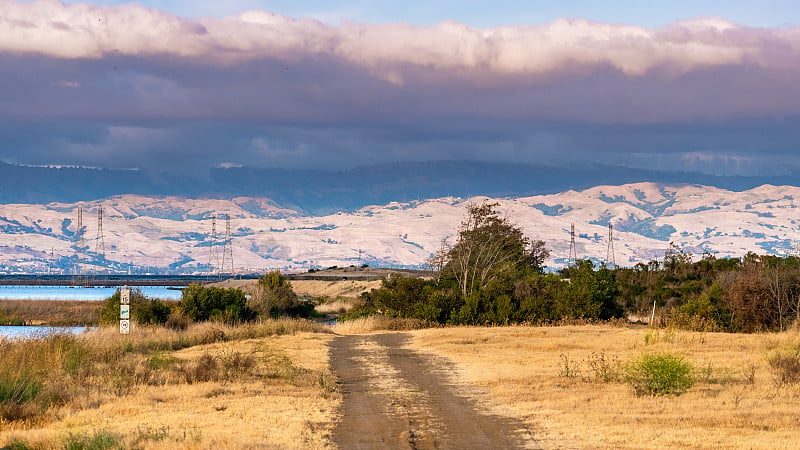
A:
<point x="174" y="234"/>
<point x="323" y="192"/>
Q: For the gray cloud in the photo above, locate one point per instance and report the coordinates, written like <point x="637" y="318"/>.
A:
<point x="131" y="86"/>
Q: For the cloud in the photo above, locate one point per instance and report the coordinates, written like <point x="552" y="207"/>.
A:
<point x="84" y="31"/>
<point x="130" y="86"/>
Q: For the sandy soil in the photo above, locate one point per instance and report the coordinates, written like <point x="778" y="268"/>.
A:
<point x="397" y="398"/>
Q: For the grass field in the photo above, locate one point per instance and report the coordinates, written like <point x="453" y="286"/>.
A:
<point x="208" y="387"/>
<point x="53" y="312"/>
<point x="270" y="384"/>
<point x="561" y="381"/>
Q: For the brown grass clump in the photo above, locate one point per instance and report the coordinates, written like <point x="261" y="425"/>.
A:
<point x="374" y="323"/>
<point x="210" y="386"/>
<point x="569" y="384"/>
<point x="338" y="305"/>
<point x="785" y="365"/>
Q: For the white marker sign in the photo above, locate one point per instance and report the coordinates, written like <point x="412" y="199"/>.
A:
<point x="125" y="295"/>
<point x="125" y="310"/>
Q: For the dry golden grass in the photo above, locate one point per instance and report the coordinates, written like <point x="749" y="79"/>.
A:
<point x="333" y="289"/>
<point x="337" y="306"/>
<point x="371" y="324"/>
<point x="54" y="312"/>
<point x="314" y="288"/>
<point x="520" y="372"/>
<point x="269" y="387"/>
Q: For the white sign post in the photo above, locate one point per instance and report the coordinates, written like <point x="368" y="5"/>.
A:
<point x="125" y="310"/>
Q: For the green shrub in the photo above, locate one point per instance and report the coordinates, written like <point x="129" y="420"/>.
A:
<point x="99" y="440"/>
<point x="150" y="312"/>
<point x="659" y="374"/>
<point x="16" y="396"/>
<point x="785" y="366"/>
<point x="228" y="305"/>
<point x="145" y="311"/>
<point x="357" y="313"/>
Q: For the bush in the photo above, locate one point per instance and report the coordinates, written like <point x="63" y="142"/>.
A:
<point x="785" y="366"/>
<point x="274" y="297"/>
<point x="659" y="374"/>
<point x="227" y="305"/>
<point x="16" y="396"/>
<point x="100" y="440"/>
<point x="150" y="312"/>
<point x="145" y="311"/>
<point x="177" y="321"/>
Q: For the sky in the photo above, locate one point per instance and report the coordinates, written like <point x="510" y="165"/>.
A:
<point x="707" y="86"/>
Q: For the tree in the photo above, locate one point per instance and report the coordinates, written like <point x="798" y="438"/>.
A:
<point x="488" y="248"/>
<point x="274" y="297"/>
<point x="537" y="255"/>
<point x="676" y="259"/>
<point x="438" y="259"/>
<point x="591" y="294"/>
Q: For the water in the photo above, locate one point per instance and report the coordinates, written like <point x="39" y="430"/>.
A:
<point x="29" y="331"/>
<point x="80" y="293"/>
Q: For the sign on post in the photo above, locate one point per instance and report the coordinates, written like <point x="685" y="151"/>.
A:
<point x="125" y="310"/>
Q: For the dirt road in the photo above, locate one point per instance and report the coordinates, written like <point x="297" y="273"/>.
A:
<point x="396" y="398"/>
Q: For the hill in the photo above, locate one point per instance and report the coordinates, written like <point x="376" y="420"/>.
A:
<point x="171" y="234"/>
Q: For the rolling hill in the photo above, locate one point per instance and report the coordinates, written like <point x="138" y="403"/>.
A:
<point x="174" y="234"/>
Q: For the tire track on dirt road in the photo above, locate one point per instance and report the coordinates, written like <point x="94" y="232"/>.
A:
<point x="395" y="397"/>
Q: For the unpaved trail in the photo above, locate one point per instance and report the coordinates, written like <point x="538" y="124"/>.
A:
<point x="395" y="398"/>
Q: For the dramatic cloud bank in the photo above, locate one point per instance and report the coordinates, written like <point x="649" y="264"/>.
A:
<point x="53" y="29"/>
<point x="132" y="86"/>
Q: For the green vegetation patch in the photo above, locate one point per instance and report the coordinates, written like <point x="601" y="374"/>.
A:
<point x="659" y="374"/>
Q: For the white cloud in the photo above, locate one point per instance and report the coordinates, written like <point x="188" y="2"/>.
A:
<point x="85" y="31"/>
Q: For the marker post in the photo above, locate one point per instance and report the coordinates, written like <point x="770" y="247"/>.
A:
<point x="125" y="310"/>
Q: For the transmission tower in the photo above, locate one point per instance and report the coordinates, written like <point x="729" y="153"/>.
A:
<point x="213" y="257"/>
<point x="100" y="241"/>
<point x="76" y="269"/>
<point x="227" y="247"/>
<point x="573" y="252"/>
<point x="610" y="256"/>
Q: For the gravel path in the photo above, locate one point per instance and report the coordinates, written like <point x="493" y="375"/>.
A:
<point x="396" y="398"/>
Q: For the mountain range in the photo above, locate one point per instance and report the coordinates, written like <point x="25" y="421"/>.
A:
<point x="319" y="192"/>
<point x="142" y="233"/>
